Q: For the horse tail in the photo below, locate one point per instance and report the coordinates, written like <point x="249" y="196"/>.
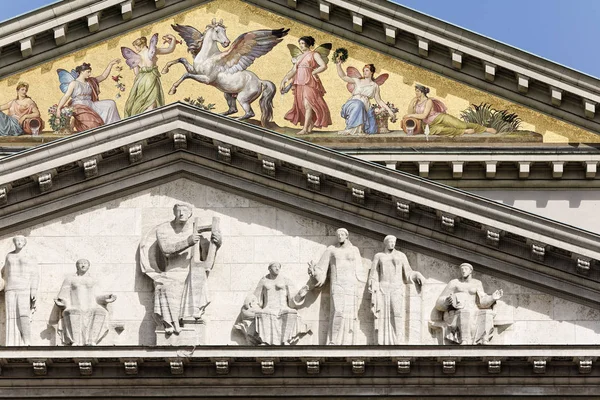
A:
<point x="266" y="102"/>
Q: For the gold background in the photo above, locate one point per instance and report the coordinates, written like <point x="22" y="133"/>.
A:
<point x="240" y="17"/>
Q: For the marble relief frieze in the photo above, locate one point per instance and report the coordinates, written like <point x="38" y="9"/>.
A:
<point x="184" y="264"/>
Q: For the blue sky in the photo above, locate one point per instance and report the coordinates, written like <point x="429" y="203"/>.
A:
<point x="559" y="30"/>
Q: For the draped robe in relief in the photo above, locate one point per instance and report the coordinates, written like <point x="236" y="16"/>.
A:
<point x="343" y="263"/>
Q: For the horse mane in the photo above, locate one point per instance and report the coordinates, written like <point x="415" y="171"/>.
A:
<point x="214" y="24"/>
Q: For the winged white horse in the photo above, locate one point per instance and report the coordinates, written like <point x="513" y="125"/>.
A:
<point x="227" y="70"/>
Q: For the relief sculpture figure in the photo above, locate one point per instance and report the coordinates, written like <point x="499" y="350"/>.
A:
<point x="84" y="316"/>
<point x="468" y="314"/>
<point x="178" y="259"/>
<point x="20" y="281"/>
<point x="342" y="263"/>
<point x="389" y="274"/>
<point x="269" y="315"/>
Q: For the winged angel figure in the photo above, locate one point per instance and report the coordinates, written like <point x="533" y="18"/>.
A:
<point x="357" y="111"/>
<point x="146" y="92"/>
<point x="82" y="89"/>
<point x="227" y="70"/>
<point x="310" y="108"/>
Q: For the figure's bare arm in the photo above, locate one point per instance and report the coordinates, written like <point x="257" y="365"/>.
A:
<point x="169" y="244"/>
<point x="63" y="299"/>
<point x="170" y="47"/>
<point x="106" y="72"/>
<point x="374" y="274"/>
<point x="6" y="106"/>
<point x="322" y="65"/>
<point x="382" y="103"/>
<point x="65" y="98"/>
<point x="291" y="73"/>
<point x="442" y="303"/>
<point x="322" y="267"/>
<point x="342" y="74"/>
<point x="425" y="114"/>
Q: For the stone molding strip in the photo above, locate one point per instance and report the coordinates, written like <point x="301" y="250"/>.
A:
<point x="555" y="166"/>
<point x="305" y="371"/>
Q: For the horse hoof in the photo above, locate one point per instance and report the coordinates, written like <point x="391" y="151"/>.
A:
<point x="172" y="91"/>
<point x="246" y="116"/>
<point x="165" y="70"/>
<point x="229" y="112"/>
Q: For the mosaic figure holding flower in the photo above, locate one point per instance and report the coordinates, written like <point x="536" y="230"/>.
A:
<point x="81" y="92"/>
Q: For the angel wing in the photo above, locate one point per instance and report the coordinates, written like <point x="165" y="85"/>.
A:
<point x="352" y="73"/>
<point x="248" y="47"/>
<point x="295" y="51"/>
<point x="152" y="46"/>
<point x="438" y="106"/>
<point x="193" y="37"/>
<point x="380" y="80"/>
<point x="65" y="78"/>
<point x="324" y="51"/>
<point x="132" y="58"/>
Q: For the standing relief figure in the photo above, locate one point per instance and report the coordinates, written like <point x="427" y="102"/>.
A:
<point x="389" y="273"/>
<point x="178" y="259"/>
<point x="84" y="316"/>
<point x="468" y="314"/>
<point x="342" y="263"/>
<point x="269" y="315"/>
<point x="20" y="281"/>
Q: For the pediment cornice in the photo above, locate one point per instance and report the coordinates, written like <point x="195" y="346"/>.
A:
<point x="182" y="141"/>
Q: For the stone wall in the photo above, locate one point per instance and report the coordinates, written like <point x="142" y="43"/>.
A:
<point x="254" y="234"/>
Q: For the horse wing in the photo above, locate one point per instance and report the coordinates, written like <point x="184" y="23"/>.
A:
<point x="192" y="37"/>
<point x="248" y="47"/>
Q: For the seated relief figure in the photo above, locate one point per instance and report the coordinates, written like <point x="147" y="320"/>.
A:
<point x="20" y="281"/>
<point x="178" y="259"/>
<point x="468" y="315"/>
<point x="389" y="273"/>
<point x="269" y="315"/>
<point x="84" y="316"/>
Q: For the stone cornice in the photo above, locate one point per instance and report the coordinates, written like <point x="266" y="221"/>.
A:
<point x="182" y="141"/>
<point x="541" y="167"/>
<point x="305" y="371"/>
